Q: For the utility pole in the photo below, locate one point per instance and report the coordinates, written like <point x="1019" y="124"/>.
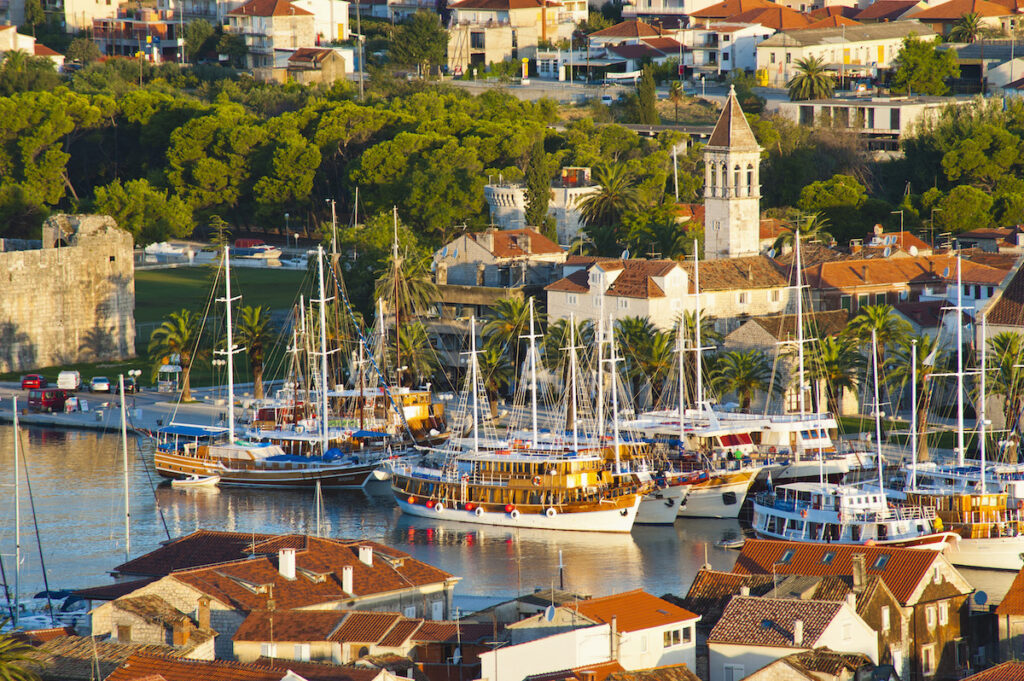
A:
<point x="362" y="53"/>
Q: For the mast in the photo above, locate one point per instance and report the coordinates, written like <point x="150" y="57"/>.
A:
<point x="615" y="400"/>
<point x="572" y="381"/>
<point x="362" y="398"/>
<point x="799" y="323"/>
<point x="699" y="349"/>
<point x="959" y="365"/>
<point x="682" y="380"/>
<point x="600" y="372"/>
<point x="981" y="407"/>
<point x="124" y="451"/>
<point x="17" y="519"/>
<point x="878" y="411"/>
<point x="913" y="415"/>
<point x="474" y="370"/>
<point x="394" y="261"/>
<point x="230" y="351"/>
<point x="323" y="351"/>
<point x="533" y="377"/>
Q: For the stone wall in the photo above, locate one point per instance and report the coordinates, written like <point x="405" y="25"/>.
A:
<point x="71" y="301"/>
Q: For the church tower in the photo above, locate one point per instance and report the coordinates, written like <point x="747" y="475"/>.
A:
<point x="732" y="187"/>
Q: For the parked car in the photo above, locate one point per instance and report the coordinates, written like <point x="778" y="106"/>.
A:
<point x="130" y="386"/>
<point x="99" y="384"/>
<point x="607" y="99"/>
<point x="47" y="399"/>
<point x="32" y="381"/>
<point x="69" y="380"/>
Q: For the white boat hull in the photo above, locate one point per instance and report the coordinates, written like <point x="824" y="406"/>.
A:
<point x="661" y="507"/>
<point x="997" y="553"/>
<point x="716" y="501"/>
<point x="612" y="520"/>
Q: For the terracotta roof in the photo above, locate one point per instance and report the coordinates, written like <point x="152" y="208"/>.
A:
<point x="400" y="633"/>
<point x="838" y="36"/>
<point x="758" y="621"/>
<point x="202" y="547"/>
<point x="902" y="571"/>
<point x="732" y="130"/>
<point x="756" y="271"/>
<point x="712" y="590"/>
<point x="954" y="9"/>
<point x="665" y="45"/>
<point x="833" y="21"/>
<point x="597" y="672"/>
<point x="141" y="665"/>
<point x="1013" y="601"/>
<point x="902" y="239"/>
<point x="110" y="592"/>
<point x="811" y="254"/>
<point x="832" y="11"/>
<point x="675" y="672"/>
<point x="1008" y="310"/>
<point x="633" y="610"/>
<point x="511" y="243"/>
<point x="151" y="608"/>
<point x="780" y="18"/>
<point x="577" y="282"/>
<point x="640" y="51"/>
<point x="927" y="314"/>
<point x="37" y="637"/>
<point x="44" y="51"/>
<point x="825" y="661"/>
<point x="823" y="323"/>
<point x="1007" y="671"/>
<point x="436" y="631"/>
<point x="365" y="627"/>
<point x="690" y="212"/>
<point x="269" y="8"/>
<point x="634" y="28"/>
<point x="988" y="233"/>
<point x="311" y="55"/>
<point x="728" y="8"/>
<point x="771" y="228"/>
<point x="1002" y="261"/>
<point x="73" y="658"/>
<point x="885" y="10"/>
<point x="231" y="583"/>
<point x="920" y="269"/>
<point x="289" y="625"/>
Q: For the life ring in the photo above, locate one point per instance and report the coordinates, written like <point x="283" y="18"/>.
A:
<point x="479" y="511"/>
<point x="514" y="514"/>
<point x="551" y="513"/>
<point x="439" y="507"/>
<point x="803" y="513"/>
<point x="536" y="481"/>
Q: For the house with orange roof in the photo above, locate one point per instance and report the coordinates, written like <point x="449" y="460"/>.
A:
<point x="11" y="40"/>
<point x="721" y="46"/>
<point x="883" y="11"/>
<point x="150" y="667"/>
<point x="269" y="26"/>
<point x="721" y="11"/>
<point x="943" y="17"/>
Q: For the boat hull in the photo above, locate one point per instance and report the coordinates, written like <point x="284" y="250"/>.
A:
<point x="615" y="519"/>
<point x="717" y="499"/>
<point x="995" y="553"/>
<point x="661" y="507"/>
<point x="284" y="474"/>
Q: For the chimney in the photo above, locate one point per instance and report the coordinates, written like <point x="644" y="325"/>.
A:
<point x="286" y="563"/>
<point x="366" y="555"/>
<point x="203" y="614"/>
<point x="864" y="272"/>
<point x="744" y="590"/>
<point x="614" y="633"/>
<point x="181" y="633"/>
<point x="480" y="271"/>
<point x="346" y="580"/>
<point x="486" y="238"/>
<point x="851" y="599"/>
<point x="858" y="572"/>
<point x="527" y="243"/>
<point x="441" y="274"/>
<point x="798" y="632"/>
<point x="544" y="20"/>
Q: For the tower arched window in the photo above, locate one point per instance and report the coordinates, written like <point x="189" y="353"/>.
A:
<point x="713" y="175"/>
<point x="750" y="179"/>
<point x="725" y="179"/>
<point x="736" y="179"/>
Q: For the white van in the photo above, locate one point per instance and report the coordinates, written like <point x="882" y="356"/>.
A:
<point x="69" y="380"/>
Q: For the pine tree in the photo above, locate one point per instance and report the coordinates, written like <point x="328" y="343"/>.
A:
<point x="538" y="191"/>
<point x="647" y="98"/>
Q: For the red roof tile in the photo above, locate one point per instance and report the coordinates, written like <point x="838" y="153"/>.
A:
<point x="756" y="271"/>
<point x="269" y="8"/>
<point x="833" y="10"/>
<point x="885" y="10"/>
<point x="758" y="621"/>
<point x="846" y="274"/>
<point x="577" y="282"/>
<point x="1013" y="601"/>
<point x="400" y="633"/>
<point x="633" y="610"/>
<point x="1008" y="309"/>
<point x="365" y="627"/>
<point x="311" y="55"/>
<point x="110" y="592"/>
<point x="435" y="631"/>
<point x="590" y="672"/>
<point x="512" y="243"/>
<point x="954" y="9"/>
<point x="634" y="28"/>
<point x="289" y="625"/>
<point x="665" y="45"/>
<point x="202" y="547"/>
<point x="833" y="21"/>
<point x="729" y="8"/>
<point x="44" y="51"/>
<point x="780" y="18"/>
<point x="1007" y="671"/>
<point x="140" y="666"/>
<point x="732" y="131"/>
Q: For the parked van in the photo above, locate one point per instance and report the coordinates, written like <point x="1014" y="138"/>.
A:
<point x="47" y="399"/>
<point x="69" y="380"/>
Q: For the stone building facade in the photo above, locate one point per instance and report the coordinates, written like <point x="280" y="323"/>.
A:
<point x="73" y="300"/>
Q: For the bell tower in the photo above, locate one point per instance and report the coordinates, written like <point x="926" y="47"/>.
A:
<point x="732" y="187"/>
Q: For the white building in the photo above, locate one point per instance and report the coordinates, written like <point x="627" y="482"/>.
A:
<point x="330" y="19"/>
<point x="754" y="632"/>
<point x="722" y="47"/>
<point x="507" y="203"/>
<point x="732" y="186"/>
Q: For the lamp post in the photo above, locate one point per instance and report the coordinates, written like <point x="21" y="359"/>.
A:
<point x="287" y="230"/>
<point x="932" y="224"/>
<point x="894" y="212"/>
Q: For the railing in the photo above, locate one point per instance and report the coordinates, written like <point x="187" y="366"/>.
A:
<point x="846" y="514"/>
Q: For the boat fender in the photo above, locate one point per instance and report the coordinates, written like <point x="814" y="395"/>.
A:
<point x="536" y="481"/>
<point x="624" y="512"/>
<point x="430" y="503"/>
<point x="300" y="429"/>
<point x="514" y="514"/>
<point x="479" y="511"/>
<point x="412" y="500"/>
<point x="551" y="513"/>
<point x="670" y="502"/>
<point x="470" y="506"/>
<point x="803" y="513"/>
<point x="439" y="507"/>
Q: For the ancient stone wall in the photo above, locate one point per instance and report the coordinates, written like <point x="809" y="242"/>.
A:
<point x="73" y="300"/>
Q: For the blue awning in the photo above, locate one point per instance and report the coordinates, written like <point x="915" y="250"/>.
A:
<point x="369" y="433"/>
<point x="191" y="431"/>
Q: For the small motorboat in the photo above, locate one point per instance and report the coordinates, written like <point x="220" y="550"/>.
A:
<point x="193" y="481"/>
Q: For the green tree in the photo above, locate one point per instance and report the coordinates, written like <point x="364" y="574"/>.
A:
<point x="18" y="660"/>
<point x="415" y="288"/>
<point x="890" y="329"/>
<point x="506" y="322"/>
<point x="20" y="72"/>
<point x="538" y="192"/>
<point x="840" y="201"/>
<point x="1006" y="376"/>
<point x="811" y="80"/>
<point x="420" y="41"/>
<point x="418" y="357"/>
<point x="254" y="332"/>
<point x="743" y="374"/>
<point x="83" y="51"/>
<point x="34" y="15"/>
<point x="983" y="159"/>
<point x="179" y="334"/>
<point x="200" y="37"/>
<point x="495" y="374"/>
<point x="921" y="68"/>
<point x="811" y="228"/>
<point x="233" y="47"/>
<point x="677" y="96"/>
<point x="963" y="209"/>
<point x="145" y="211"/>
<point x="837" y="363"/>
<point x="616" y="195"/>
<point x="969" y="28"/>
<point x="647" y="111"/>
<point x="220" y="235"/>
<point x="930" y="356"/>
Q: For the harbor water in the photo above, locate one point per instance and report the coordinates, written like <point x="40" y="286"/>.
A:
<point x="77" y="485"/>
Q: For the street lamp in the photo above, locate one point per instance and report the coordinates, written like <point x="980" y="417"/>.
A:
<point x="287" y="231"/>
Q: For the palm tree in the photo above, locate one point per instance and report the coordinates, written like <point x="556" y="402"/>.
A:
<point x="743" y="373"/>
<point x="708" y="336"/>
<point x="507" y="322"/>
<point x="667" y="238"/>
<point x="969" y="28"/>
<point x="890" y="329"/>
<point x="676" y="96"/>
<point x="811" y="81"/>
<point x="633" y="336"/>
<point x="929" y="355"/>
<point x="617" y="195"/>
<point x="598" y="239"/>
<point x="15" y="60"/>
<point x="419" y="361"/>
<point x="659" y="362"/>
<point x="254" y="332"/>
<point x="1005" y="375"/>
<point x="495" y="373"/>
<point x="556" y="340"/>
<point x="811" y="227"/>
<point x="416" y="289"/>
<point x="18" y="660"/>
<point x="837" y="363"/>
<point x="179" y="334"/>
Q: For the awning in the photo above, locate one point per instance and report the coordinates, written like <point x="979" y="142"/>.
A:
<point x="369" y="433"/>
<point x="191" y="430"/>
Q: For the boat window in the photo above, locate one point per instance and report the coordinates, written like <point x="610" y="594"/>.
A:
<point x="880" y="562"/>
<point x="787" y="556"/>
<point x="828" y="557"/>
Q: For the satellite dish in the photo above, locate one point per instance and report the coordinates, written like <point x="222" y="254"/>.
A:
<point x="457" y="656"/>
<point x="444" y="251"/>
<point x="433" y="265"/>
<point x="887" y="252"/>
<point x="625" y="254"/>
<point x="980" y="597"/>
<point x="913" y="250"/>
<point x="771" y="253"/>
<point x="455" y="253"/>
<point x="945" y="273"/>
<point x="549" y="613"/>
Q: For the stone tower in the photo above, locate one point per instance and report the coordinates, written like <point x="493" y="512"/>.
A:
<point x="732" y="186"/>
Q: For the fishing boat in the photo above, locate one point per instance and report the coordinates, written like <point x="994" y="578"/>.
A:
<point x="196" y="482"/>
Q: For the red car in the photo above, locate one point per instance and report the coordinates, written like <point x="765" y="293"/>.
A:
<point x="32" y="381"/>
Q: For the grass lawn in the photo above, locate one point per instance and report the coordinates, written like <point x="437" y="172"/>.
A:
<point x="160" y="292"/>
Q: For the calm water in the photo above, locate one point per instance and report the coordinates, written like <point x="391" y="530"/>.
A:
<point x="77" y="486"/>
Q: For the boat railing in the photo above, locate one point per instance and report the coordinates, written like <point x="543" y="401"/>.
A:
<point x="891" y="513"/>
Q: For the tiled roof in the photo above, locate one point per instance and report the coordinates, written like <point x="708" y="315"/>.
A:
<point x="1001" y="261"/>
<point x="780" y="18"/>
<point x="758" y="621"/>
<point x="510" y="243"/>
<point x="365" y="627"/>
<point x="1013" y="601"/>
<point x="927" y="314"/>
<point x="202" y="547"/>
<point x="633" y="610"/>
<point x="269" y="8"/>
<point x="771" y="228"/>
<point x="988" y="233"/>
<point x="44" y="51"/>
<point x="902" y="571"/>
<point x="902" y="239"/>
<point x="400" y="633"/>
<point x="499" y="5"/>
<point x="1008" y="310"/>
<point x="823" y="323"/>
<point x="885" y="10"/>
<point x="832" y="11"/>
<point x="712" y="590"/>
<point x="37" y="637"/>
<point x="289" y="625"/>
<point x="1007" y="671"/>
<point x="140" y="666"/>
<point x="310" y="55"/>
<point x="675" y="672"/>
<point x="597" y="672"/>
<point x="729" y="8"/>
<point x="577" y="282"/>
<point x="73" y="658"/>
<point x="920" y="269"/>
<point x="690" y="211"/>
<point x="811" y="254"/>
<point x="665" y="45"/>
<point x="110" y="592"/>
<point x="756" y="271"/>
<point x="804" y="37"/>
<point x="954" y="9"/>
<point x="833" y="21"/>
<point x="640" y="51"/>
<point x="732" y="130"/>
<point x="634" y="281"/>
<point x="825" y="661"/>
<point x="392" y="570"/>
<point x="435" y="631"/>
<point x="633" y="28"/>
<point x="151" y="608"/>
